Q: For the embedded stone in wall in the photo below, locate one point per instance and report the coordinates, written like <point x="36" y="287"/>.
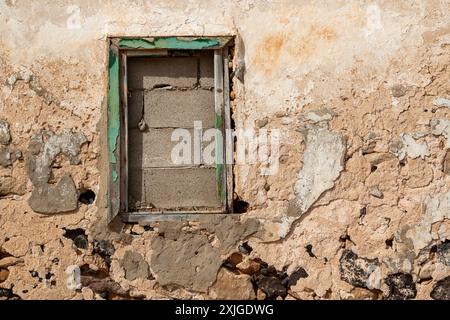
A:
<point x="401" y="286"/>
<point x="43" y="150"/>
<point x="135" y="266"/>
<point x="441" y="290"/>
<point x="323" y="162"/>
<point x="230" y="286"/>
<point x="441" y="127"/>
<point x="200" y="261"/>
<point x="437" y="209"/>
<point x="320" y="115"/>
<point x="446" y="164"/>
<point x="5" y="157"/>
<point x="360" y="272"/>
<point x="441" y="102"/>
<point x="48" y="198"/>
<point x="408" y="146"/>
<point x="46" y="146"/>
<point x="5" y="136"/>
<point x="443" y="252"/>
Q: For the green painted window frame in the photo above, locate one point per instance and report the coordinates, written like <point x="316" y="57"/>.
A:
<point x="119" y="48"/>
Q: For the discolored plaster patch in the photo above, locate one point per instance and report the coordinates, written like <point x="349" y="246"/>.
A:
<point x="196" y="249"/>
<point x="323" y="161"/>
<point x="42" y="152"/>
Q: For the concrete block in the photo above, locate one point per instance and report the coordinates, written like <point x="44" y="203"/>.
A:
<point x="179" y="109"/>
<point x="146" y="72"/>
<point x="135" y="107"/>
<point x="153" y="148"/>
<point x="173" y="188"/>
<point x="207" y="69"/>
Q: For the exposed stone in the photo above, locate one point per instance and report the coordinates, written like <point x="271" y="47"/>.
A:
<point x="88" y="294"/>
<point x="401" y="286"/>
<point x="320" y="115"/>
<point x="441" y="290"/>
<point x="398" y="90"/>
<point x="419" y="235"/>
<point x="104" y="286"/>
<point x="443" y="252"/>
<point x="43" y="150"/>
<point x="358" y="293"/>
<point x="323" y="162"/>
<point x="249" y="266"/>
<point x="245" y="248"/>
<point x="199" y="259"/>
<point x="230" y="286"/>
<point x="78" y="237"/>
<point x="441" y="127"/>
<point x="408" y="146"/>
<point x="297" y="275"/>
<point x="271" y="286"/>
<point x="135" y="266"/>
<point x="59" y="198"/>
<point x="5" y="136"/>
<point x="360" y="272"/>
<point x="4" y="273"/>
<point x="5" y="157"/>
<point x="426" y="271"/>
<point x="7" y="294"/>
<point x="446" y="164"/>
<point x="441" y="102"/>
<point x="45" y="147"/>
<point x="105" y="249"/>
<point x="376" y="192"/>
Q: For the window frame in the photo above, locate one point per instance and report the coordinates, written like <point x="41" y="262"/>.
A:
<point x="119" y="49"/>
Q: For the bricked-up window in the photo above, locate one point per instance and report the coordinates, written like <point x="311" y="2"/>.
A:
<point x="165" y="95"/>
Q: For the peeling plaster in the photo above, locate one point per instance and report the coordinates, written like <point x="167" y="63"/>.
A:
<point x="323" y="161"/>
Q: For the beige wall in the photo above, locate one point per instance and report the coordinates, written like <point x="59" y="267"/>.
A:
<point x="360" y="91"/>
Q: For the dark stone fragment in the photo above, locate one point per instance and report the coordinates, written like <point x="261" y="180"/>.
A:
<point x="245" y="248"/>
<point x="441" y="290"/>
<point x="309" y="251"/>
<point x="105" y="249"/>
<point x="271" y="286"/>
<point x="78" y="237"/>
<point x="356" y="270"/>
<point x="81" y="241"/>
<point x="6" y="292"/>
<point x="443" y="252"/>
<point x="296" y="275"/>
<point x="104" y="294"/>
<point x="401" y="286"/>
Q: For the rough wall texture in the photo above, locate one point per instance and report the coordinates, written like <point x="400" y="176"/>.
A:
<point x="360" y="205"/>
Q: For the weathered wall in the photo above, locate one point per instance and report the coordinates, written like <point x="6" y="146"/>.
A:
<point x="359" y="208"/>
